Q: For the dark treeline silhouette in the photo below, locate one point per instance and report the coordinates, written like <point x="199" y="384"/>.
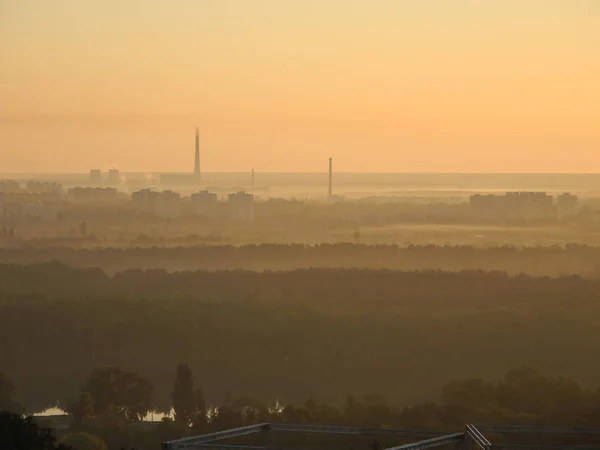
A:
<point x="541" y="261"/>
<point x="112" y="403"/>
<point x="19" y="433"/>
<point x="320" y="332"/>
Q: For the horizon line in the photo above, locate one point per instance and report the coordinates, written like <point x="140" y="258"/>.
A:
<point x="304" y="173"/>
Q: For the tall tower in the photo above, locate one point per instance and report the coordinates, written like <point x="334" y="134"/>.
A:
<point x="330" y="177"/>
<point x="197" y="156"/>
<point x="252" y="178"/>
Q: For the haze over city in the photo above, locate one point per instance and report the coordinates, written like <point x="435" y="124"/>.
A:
<point x="299" y="224"/>
<point x="382" y="86"/>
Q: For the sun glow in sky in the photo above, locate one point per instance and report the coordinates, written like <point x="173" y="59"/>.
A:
<point x="281" y="85"/>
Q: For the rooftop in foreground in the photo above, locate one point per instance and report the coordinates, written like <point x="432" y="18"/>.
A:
<point x="506" y="437"/>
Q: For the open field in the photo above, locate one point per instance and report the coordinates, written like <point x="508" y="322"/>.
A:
<point x="479" y="235"/>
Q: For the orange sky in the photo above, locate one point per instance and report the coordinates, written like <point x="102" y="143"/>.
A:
<point x="281" y="85"/>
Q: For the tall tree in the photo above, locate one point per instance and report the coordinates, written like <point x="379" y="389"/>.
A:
<point x="7" y="395"/>
<point x="18" y="433"/>
<point x="84" y="441"/>
<point x="115" y="390"/>
<point x="184" y="401"/>
<point x="200" y="412"/>
<point x="82" y="410"/>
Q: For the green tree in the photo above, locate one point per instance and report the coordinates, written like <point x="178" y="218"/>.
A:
<point x="82" y="410"/>
<point x="200" y="412"/>
<point x="467" y="393"/>
<point x="114" y="390"/>
<point x="184" y="401"/>
<point x="352" y="409"/>
<point x="19" y="433"/>
<point x="252" y="410"/>
<point x="227" y="418"/>
<point x="7" y="395"/>
<point x="81" y="440"/>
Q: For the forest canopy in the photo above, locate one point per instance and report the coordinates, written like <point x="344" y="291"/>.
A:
<point x="291" y="335"/>
<point x="539" y="261"/>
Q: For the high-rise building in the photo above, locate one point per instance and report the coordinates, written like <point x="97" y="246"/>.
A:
<point x="204" y="204"/>
<point x="47" y="212"/>
<point x="43" y="187"/>
<point x="92" y="193"/>
<point x="114" y="177"/>
<point x="10" y="186"/>
<point x="168" y="205"/>
<point x="567" y="204"/>
<point x="241" y="206"/>
<point x="144" y="201"/>
<point x="95" y="176"/>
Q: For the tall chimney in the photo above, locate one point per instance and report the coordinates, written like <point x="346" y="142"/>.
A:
<point x="197" y="155"/>
<point x="252" y="178"/>
<point x="330" y="177"/>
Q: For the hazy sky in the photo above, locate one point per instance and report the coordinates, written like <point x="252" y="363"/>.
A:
<point x="281" y="85"/>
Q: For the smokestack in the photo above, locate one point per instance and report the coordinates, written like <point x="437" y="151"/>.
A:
<point x="330" y="177"/>
<point x="252" y="178"/>
<point x="197" y="155"/>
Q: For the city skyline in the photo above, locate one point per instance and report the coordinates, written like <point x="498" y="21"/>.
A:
<point x="385" y="86"/>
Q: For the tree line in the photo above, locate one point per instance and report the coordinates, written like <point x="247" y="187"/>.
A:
<point x="539" y="261"/>
<point x="112" y="403"/>
<point x="319" y="332"/>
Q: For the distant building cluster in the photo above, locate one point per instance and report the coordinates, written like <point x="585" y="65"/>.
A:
<point x="204" y="204"/>
<point x="42" y="200"/>
<point x="525" y="206"/>
<point x="47" y="212"/>
<point x="31" y="187"/>
<point x="113" y="177"/>
<point x="43" y="187"/>
<point x="144" y="201"/>
<point x="92" y="193"/>
<point x="32" y="200"/>
<point x="241" y="206"/>
<point x="22" y="206"/>
<point x="566" y="204"/>
<point x="9" y="187"/>
<point x="168" y="204"/>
